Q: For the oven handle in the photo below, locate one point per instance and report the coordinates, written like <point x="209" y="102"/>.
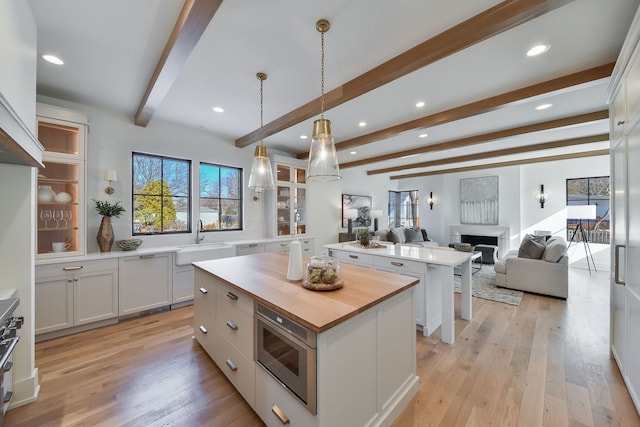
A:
<point x="10" y="345"/>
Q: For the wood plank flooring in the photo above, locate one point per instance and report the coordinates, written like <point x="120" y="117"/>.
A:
<point x="543" y="363"/>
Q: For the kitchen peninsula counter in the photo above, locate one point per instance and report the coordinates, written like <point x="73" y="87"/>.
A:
<point x="362" y="368"/>
<point x="264" y="278"/>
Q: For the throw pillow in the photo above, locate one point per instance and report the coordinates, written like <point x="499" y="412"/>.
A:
<point x="413" y="235"/>
<point x="396" y="235"/>
<point x="530" y="248"/>
<point x="554" y="251"/>
<point x="424" y="235"/>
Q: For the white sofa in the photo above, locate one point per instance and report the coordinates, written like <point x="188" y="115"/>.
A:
<point x="406" y="236"/>
<point x="547" y="275"/>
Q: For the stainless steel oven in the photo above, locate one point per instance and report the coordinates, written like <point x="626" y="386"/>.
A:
<point x="287" y="350"/>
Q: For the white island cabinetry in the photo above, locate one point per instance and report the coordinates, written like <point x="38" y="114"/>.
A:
<point x="145" y="282"/>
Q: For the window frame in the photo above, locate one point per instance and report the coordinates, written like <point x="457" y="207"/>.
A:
<point x="588" y="224"/>
<point x="240" y="199"/>
<point x="395" y="220"/>
<point x="188" y="196"/>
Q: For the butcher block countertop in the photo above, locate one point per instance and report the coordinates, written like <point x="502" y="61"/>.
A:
<point x="264" y="278"/>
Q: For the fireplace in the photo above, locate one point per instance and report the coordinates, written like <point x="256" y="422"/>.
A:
<point x="482" y="234"/>
<point x="479" y="240"/>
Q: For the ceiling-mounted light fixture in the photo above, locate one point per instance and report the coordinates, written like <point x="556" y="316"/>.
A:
<point x="261" y="177"/>
<point x="323" y="161"/>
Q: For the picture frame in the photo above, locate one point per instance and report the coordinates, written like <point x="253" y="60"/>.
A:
<point x="479" y="200"/>
<point x="362" y="204"/>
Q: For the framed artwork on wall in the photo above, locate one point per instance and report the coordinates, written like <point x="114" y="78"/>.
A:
<point x="360" y="203"/>
<point x="479" y="200"/>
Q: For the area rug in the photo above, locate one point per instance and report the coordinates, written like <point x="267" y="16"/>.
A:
<point x="484" y="286"/>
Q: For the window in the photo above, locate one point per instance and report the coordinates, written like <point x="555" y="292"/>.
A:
<point x="161" y="194"/>
<point x="220" y="197"/>
<point x="590" y="191"/>
<point x="403" y="209"/>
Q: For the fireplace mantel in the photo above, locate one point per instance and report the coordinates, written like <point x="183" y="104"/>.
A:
<point x="502" y="233"/>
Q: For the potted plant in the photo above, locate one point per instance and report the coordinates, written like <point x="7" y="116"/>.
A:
<point x="363" y="235"/>
<point x="105" y="235"/>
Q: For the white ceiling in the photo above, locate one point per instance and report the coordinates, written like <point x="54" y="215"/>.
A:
<point x="111" y="47"/>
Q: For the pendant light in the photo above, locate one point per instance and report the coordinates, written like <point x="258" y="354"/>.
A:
<point x="261" y="177"/>
<point x="323" y="161"/>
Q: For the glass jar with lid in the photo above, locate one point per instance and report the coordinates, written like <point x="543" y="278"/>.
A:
<point x="322" y="274"/>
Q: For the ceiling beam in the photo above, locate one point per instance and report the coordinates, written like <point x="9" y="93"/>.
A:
<point x="491" y="22"/>
<point x="479" y="107"/>
<point x="477" y="139"/>
<point x="505" y="164"/>
<point x="193" y="20"/>
<point x="498" y="153"/>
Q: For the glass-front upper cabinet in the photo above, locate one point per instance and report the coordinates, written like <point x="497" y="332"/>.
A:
<point x="60" y="196"/>
<point x="289" y="210"/>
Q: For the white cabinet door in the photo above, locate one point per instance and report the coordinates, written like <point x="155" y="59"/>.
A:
<point x="95" y="296"/>
<point x="54" y="303"/>
<point x="182" y="283"/>
<point x="144" y="282"/>
<point x="250" y="248"/>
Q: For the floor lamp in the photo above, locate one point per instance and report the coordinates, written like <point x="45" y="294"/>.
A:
<point x="580" y="212"/>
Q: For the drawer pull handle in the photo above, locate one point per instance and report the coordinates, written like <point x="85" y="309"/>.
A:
<point x="8" y="366"/>
<point x="69" y="280"/>
<point x="147" y="256"/>
<point x="620" y="122"/>
<point x="305" y="241"/>
<point x="353" y="256"/>
<point x="397" y="264"/>
<point x="203" y="329"/>
<point x="253" y="245"/>
<point x="278" y="413"/>
<point x="204" y="291"/>
<point x="617" y="278"/>
<point x="7" y="396"/>
<point x="231" y="365"/>
<point x="232" y="325"/>
<point x="232" y="296"/>
<point x="72" y="267"/>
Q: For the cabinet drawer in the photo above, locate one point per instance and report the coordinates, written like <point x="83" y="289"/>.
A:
<point x="354" y="257"/>
<point x="235" y="325"/>
<point x="250" y="248"/>
<point x="204" y="331"/>
<point x="402" y="266"/>
<point x="53" y="270"/>
<point x="271" y="396"/>
<point x="279" y="246"/>
<point x="235" y="298"/>
<point x="204" y="294"/>
<point x="240" y="370"/>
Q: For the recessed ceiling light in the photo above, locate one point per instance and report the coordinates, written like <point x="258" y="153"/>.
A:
<point x="303" y="136"/>
<point x="362" y="124"/>
<point x="218" y="109"/>
<point x="53" y="59"/>
<point x="544" y="106"/>
<point x="423" y="135"/>
<point x="538" y="50"/>
<point x="353" y="152"/>
<point x="420" y="104"/>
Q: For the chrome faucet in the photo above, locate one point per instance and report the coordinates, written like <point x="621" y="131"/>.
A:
<point x="199" y="238"/>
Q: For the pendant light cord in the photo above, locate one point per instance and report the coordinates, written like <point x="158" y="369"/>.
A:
<point x="261" y="109"/>
<point x="322" y="75"/>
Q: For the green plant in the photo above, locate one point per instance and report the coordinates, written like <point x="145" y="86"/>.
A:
<point x="108" y="209"/>
<point x="363" y="232"/>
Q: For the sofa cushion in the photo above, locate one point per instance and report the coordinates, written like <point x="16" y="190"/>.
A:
<point x="424" y="235"/>
<point x="396" y="235"/>
<point x="554" y="251"/>
<point x="413" y="235"/>
<point x="531" y="247"/>
<point x="500" y="267"/>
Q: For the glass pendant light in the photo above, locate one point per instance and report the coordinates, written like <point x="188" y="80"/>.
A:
<point x="323" y="160"/>
<point x="261" y="177"/>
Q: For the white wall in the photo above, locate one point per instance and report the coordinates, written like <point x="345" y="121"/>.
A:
<point x="17" y="192"/>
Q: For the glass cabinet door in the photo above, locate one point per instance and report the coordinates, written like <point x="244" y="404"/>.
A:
<point x="283" y="210"/>
<point x="300" y="203"/>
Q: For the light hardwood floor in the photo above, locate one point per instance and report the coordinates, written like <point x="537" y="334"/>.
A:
<point x="543" y="363"/>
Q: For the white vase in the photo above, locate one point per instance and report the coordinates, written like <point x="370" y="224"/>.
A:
<point x="45" y="193"/>
<point x="294" y="271"/>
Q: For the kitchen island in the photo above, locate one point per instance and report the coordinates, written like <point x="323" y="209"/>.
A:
<point x="433" y="266"/>
<point x="364" y="361"/>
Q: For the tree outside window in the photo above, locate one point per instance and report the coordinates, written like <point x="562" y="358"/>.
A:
<point x="161" y="194"/>
<point x="220" y="197"/>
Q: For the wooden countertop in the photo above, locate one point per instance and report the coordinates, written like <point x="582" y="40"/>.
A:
<point x="430" y="254"/>
<point x="264" y="278"/>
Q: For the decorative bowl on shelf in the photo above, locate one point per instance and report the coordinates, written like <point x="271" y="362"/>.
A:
<point x="62" y="197"/>
<point x="129" y="244"/>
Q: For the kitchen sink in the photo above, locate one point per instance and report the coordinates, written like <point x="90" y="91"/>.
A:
<point x="187" y="254"/>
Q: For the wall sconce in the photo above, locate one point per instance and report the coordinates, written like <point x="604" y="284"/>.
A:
<point x="430" y="200"/>
<point x="375" y="214"/>
<point x="110" y="175"/>
<point x="350" y="214"/>
<point x="542" y="197"/>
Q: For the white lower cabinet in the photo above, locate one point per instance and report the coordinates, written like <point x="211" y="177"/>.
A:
<point x="250" y="248"/>
<point x="75" y="294"/>
<point x="307" y="244"/>
<point x="362" y="260"/>
<point x="145" y="282"/>
<point x="182" y="284"/>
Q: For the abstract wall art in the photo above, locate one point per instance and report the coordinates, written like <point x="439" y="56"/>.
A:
<point x="479" y="200"/>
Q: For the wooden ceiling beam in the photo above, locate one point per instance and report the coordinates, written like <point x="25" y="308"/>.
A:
<point x="193" y="20"/>
<point x="479" y="107"/>
<point x="477" y="139"/>
<point x="498" y="153"/>
<point x="505" y="164"/>
<point x="491" y="22"/>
